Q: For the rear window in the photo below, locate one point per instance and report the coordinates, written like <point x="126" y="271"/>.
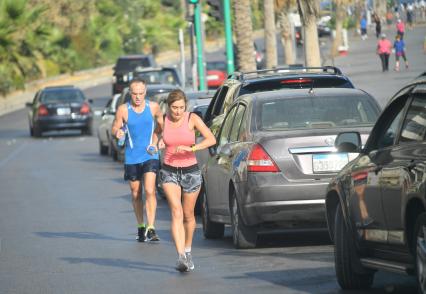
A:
<point x="129" y="64"/>
<point x="216" y="66"/>
<point x="61" y="96"/>
<point x="316" y="112"/>
<point x="165" y="76"/>
<point x="295" y="83"/>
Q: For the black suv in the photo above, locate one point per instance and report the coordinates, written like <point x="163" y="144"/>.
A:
<point x="240" y="83"/>
<point x="376" y="205"/>
<point x="124" y="68"/>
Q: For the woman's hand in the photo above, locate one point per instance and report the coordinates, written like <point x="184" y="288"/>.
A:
<point x="161" y="144"/>
<point x="182" y="149"/>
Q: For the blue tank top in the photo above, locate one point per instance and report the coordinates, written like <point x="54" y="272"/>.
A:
<point x="140" y="128"/>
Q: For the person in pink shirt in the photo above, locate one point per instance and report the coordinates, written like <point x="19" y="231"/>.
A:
<point x="400" y="28"/>
<point x="384" y="49"/>
<point x="180" y="175"/>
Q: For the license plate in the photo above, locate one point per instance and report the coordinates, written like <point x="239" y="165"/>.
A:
<point x="329" y="162"/>
<point x="63" y="111"/>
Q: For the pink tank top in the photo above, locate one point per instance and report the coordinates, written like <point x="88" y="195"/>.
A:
<point x="175" y="136"/>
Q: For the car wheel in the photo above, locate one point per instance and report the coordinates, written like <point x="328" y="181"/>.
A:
<point x="211" y="230"/>
<point x="420" y="245"/>
<point x="37" y="131"/>
<point x="345" y="258"/>
<point x="243" y="236"/>
<point x="103" y="150"/>
<point x="31" y="132"/>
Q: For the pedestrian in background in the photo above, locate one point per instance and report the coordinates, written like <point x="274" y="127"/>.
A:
<point x="378" y="25"/>
<point x="180" y="175"/>
<point x="363" y="26"/>
<point x="140" y="117"/>
<point x="400" y="28"/>
<point x="384" y="48"/>
<point x="399" y="47"/>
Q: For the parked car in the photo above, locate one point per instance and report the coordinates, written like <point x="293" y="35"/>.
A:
<point x="60" y="108"/>
<point x="152" y="90"/>
<point x="124" y="67"/>
<point x="216" y="73"/>
<point x="275" y="157"/>
<point x="376" y="205"/>
<point x="104" y="128"/>
<point x="159" y="75"/>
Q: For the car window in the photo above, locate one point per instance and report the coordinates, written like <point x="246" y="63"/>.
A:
<point x="286" y="83"/>
<point x="218" y="104"/>
<point x="226" y="127"/>
<point x="237" y="123"/>
<point x="129" y="64"/>
<point x="386" y="128"/>
<point x="164" y="76"/>
<point x="317" y="112"/>
<point x="414" y="126"/>
<point x="59" y="96"/>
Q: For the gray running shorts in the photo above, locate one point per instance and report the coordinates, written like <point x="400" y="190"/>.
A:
<point x="189" y="178"/>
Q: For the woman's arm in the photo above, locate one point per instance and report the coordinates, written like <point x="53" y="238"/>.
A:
<point x="209" y="138"/>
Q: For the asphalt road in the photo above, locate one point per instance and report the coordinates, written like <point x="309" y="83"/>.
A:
<point x="67" y="225"/>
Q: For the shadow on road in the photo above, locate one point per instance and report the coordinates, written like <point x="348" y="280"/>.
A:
<point x="80" y="235"/>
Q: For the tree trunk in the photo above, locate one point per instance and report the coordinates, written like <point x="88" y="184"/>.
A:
<point x="380" y="8"/>
<point x="340" y="16"/>
<point x="309" y="11"/>
<point x="270" y="36"/>
<point x="358" y="7"/>
<point x="243" y="32"/>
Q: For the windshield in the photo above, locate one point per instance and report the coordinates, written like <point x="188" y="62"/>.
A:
<point x="129" y="64"/>
<point x="62" y="96"/>
<point x="164" y="76"/>
<point x="316" y="112"/>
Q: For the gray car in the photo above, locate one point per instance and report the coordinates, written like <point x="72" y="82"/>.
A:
<point x="274" y="158"/>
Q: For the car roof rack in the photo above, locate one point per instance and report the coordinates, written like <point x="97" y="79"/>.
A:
<point x="59" y="87"/>
<point x="290" y="69"/>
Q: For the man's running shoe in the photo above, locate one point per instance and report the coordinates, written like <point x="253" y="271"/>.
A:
<point x="141" y="235"/>
<point x="151" y="235"/>
<point x="189" y="260"/>
<point x="182" y="264"/>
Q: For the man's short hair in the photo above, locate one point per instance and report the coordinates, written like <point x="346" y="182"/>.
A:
<point x="137" y="80"/>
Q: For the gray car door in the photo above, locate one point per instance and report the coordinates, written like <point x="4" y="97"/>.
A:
<point x="215" y="199"/>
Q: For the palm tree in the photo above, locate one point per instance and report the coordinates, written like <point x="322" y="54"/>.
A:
<point x="283" y="7"/>
<point x="309" y="12"/>
<point x="341" y="6"/>
<point x="243" y="32"/>
<point x="270" y="36"/>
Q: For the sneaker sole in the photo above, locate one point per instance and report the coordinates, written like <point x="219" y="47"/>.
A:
<point x="182" y="268"/>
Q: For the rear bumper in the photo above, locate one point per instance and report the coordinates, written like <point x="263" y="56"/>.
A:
<point x="61" y="123"/>
<point x="286" y="205"/>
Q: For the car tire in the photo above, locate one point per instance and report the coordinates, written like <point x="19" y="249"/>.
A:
<point x="419" y="244"/>
<point x="37" y="131"/>
<point x="345" y="258"/>
<point x="243" y="237"/>
<point x="88" y="130"/>
<point x="211" y="230"/>
<point x="103" y="150"/>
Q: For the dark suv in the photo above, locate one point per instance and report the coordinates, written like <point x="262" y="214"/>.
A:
<point x="124" y="68"/>
<point x="376" y="205"/>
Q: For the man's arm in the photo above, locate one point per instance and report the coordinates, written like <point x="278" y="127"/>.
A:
<point x="159" y="119"/>
<point x="116" y="130"/>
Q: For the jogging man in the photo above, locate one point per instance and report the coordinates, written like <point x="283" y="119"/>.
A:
<point x="136" y="120"/>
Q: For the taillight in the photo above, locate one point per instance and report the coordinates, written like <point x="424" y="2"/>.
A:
<point x="85" y="108"/>
<point x="260" y="161"/>
<point x="42" y="111"/>
<point x="297" y="81"/>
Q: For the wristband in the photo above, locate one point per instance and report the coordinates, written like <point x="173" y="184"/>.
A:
<point x="193" y="148"/>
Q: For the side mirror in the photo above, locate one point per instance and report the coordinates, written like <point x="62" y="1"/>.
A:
<point x="348" y="142"/>
<point x="29" y="104"/>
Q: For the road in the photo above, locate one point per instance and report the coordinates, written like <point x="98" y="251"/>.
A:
<point x="67" y="226"/>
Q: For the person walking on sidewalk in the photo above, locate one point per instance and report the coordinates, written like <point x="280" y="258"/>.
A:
<point x="399" y="46"/>
<point x="378" y="25"/>
<point x="180" y="175"/>
<point x="400" y="28"/>
<point x="363" y="26"/>
<point x="384" y="48"/>
<point x="141" y="159"/>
